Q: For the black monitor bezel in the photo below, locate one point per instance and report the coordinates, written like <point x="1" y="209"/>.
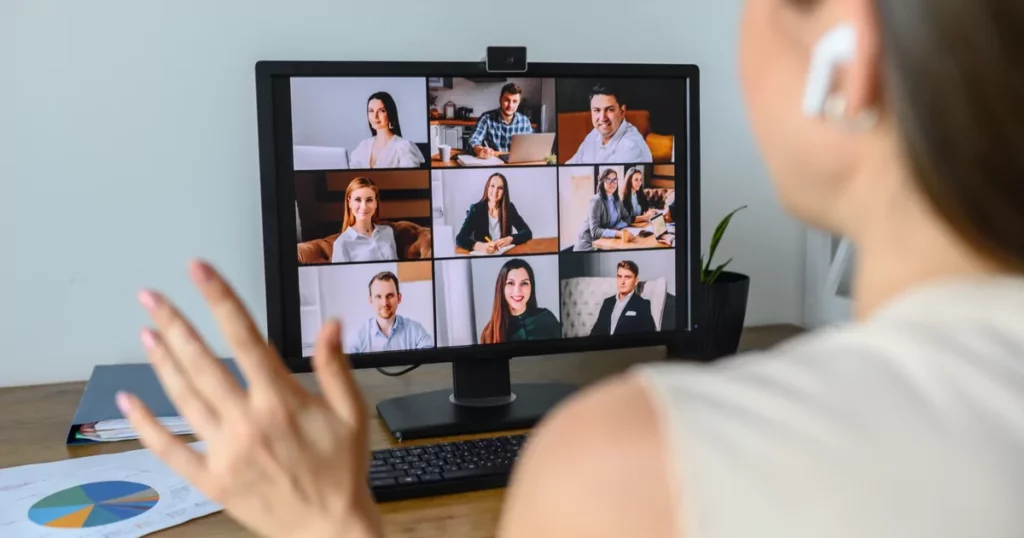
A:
<point x="281" y="271"/>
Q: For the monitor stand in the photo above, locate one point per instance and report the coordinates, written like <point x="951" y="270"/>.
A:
<point x="482" y="400"/>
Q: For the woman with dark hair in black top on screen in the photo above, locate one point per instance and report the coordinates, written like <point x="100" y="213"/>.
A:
<point x="490" y="222"/>
<point x="638" y="207"/>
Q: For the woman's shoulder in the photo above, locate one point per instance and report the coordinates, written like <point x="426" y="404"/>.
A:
<point x="477" y="207"/>
<point x="544" y="314"/>
<point x="363" y="145"/>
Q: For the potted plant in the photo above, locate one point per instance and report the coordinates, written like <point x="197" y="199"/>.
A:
<point x="720" y="302"/>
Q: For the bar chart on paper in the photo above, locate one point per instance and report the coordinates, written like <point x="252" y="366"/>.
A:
<point x="94" y="504"/>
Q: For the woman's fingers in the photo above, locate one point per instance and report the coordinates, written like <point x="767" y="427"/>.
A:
<point x="170" y="449"/>
<point x="197" y="408"/>
<point x="182" y="346"/>
<point x="334" y="375"/>
<point x="252" y="352"/>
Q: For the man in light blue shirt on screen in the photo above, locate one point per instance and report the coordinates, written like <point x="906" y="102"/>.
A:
<point x="613" y="139"/>
<point x="387" y="331"/>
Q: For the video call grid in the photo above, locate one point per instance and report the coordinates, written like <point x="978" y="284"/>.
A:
<point x="429" y="167"/>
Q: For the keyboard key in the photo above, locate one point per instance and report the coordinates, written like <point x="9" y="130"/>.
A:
<point x="468" y="473"/>
<point x="382" y="482"/>
<point x="408" y="480"/>
<point x="386" y="474"/>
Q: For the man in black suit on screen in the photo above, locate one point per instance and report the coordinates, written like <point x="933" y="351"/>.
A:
<point x="625" y="312"/>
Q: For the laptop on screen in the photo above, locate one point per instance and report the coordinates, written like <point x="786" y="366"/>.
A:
<point x="526" y="148"/>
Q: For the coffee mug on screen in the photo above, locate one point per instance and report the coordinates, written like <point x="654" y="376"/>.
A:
<point x="446" y="152"/>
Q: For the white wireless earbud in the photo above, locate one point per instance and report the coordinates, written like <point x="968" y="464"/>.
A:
<point x="834" y="48"/>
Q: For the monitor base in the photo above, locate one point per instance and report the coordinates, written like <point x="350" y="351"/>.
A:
<point x="482" y="400"/>
<point x="433" y="414"/>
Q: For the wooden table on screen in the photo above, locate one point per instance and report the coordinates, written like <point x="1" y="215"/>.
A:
<point x="34" y="422"/>
<point x="613" y="243"/>
<point x="534" y="246"/>
<point x="436" y="162"/>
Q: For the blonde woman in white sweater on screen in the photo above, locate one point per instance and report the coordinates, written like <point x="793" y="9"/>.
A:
<point x="892" y="123"/>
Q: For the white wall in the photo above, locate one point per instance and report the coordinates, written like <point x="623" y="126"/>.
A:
<point x="534" y="191"/>
<point x="575" y="188"/>
<point x="133" y="148"/>
<point x="332" y="111"/>
<point x="453" y="283"/>
<point x="483" y="96"/>
<point x="653" y="264"/>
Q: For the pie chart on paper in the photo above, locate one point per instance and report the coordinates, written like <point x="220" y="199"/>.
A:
<point x="93" y="504"/>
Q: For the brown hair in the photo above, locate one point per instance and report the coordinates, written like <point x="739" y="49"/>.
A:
<point x="503" y="204"/>
<point x="951" y="71"/>
<point x="359" y="183"/>
<point x="494" y="331"/>
<point x="628" y="189"/>
<point x="629" y="266"/>
<point x="383" y="276"/>
<point x="511" y="88"/>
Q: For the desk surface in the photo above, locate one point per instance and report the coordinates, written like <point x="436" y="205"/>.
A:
<point x="34" y="421"/>
<point x="610" y="243"/>
<point x="436" y="162"/>
<point x="534" y="246"/>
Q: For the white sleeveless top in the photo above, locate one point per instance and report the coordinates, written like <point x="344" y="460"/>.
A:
<point x="910" y="424"/>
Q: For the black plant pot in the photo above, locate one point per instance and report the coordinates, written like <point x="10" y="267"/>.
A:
<point x="720" y="309"/>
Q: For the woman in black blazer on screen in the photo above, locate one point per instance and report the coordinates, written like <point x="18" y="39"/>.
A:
<point x="490" y="222"/>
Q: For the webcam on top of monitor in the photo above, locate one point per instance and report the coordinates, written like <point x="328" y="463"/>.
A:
<point x="506" y="59"/>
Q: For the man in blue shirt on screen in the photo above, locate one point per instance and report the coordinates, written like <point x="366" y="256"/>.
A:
<point x="495" y="128"/>
<point x="613" y="139"/>
<point x="387" y="331"/>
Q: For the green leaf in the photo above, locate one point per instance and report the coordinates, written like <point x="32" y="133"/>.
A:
<point x="703" y="270"/>
<point x="717" y="272"/>
<point x="719" y="232"/>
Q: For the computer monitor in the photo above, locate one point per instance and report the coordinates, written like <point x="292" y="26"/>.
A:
<point x="370" y="217"/>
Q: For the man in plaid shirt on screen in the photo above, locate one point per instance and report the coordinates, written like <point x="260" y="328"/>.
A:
<point x="495" y="128"/>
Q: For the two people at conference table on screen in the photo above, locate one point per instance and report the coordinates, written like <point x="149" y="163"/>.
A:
<point x="609" y="216"/>
<point x="612" y="140"/>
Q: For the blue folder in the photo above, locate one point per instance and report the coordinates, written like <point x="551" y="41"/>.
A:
<point x="97" y="401"/>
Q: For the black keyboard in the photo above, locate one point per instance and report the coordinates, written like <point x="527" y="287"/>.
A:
<point x="443" y="468"/>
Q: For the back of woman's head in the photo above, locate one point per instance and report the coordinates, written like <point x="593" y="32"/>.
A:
<point x="954" y="80"/>
<point x="946" y="79"/>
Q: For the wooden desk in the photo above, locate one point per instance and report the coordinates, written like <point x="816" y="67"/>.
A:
<point x="534" y="246"/>
<point x="637" y="242"/>
<point x="466" y="122"/>
<point x="436" y="162"/>
<point x="34" y="422"/>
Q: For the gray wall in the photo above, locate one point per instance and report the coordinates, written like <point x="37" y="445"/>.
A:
<point x="133" y="148"/>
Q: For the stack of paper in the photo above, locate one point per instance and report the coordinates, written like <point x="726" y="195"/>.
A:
<point x="121" y="430"/>
<point x="469" y="160"/>
<point x="497" y="251"/>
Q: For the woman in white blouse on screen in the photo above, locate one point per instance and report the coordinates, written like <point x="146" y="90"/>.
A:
<point x="362" y="239"/>
<point x="386" y="148"/>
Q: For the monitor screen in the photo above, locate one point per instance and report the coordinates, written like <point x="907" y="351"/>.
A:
<point x="452" y="213"/>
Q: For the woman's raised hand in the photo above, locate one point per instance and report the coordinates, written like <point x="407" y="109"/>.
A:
<point x="282" y="462"/>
